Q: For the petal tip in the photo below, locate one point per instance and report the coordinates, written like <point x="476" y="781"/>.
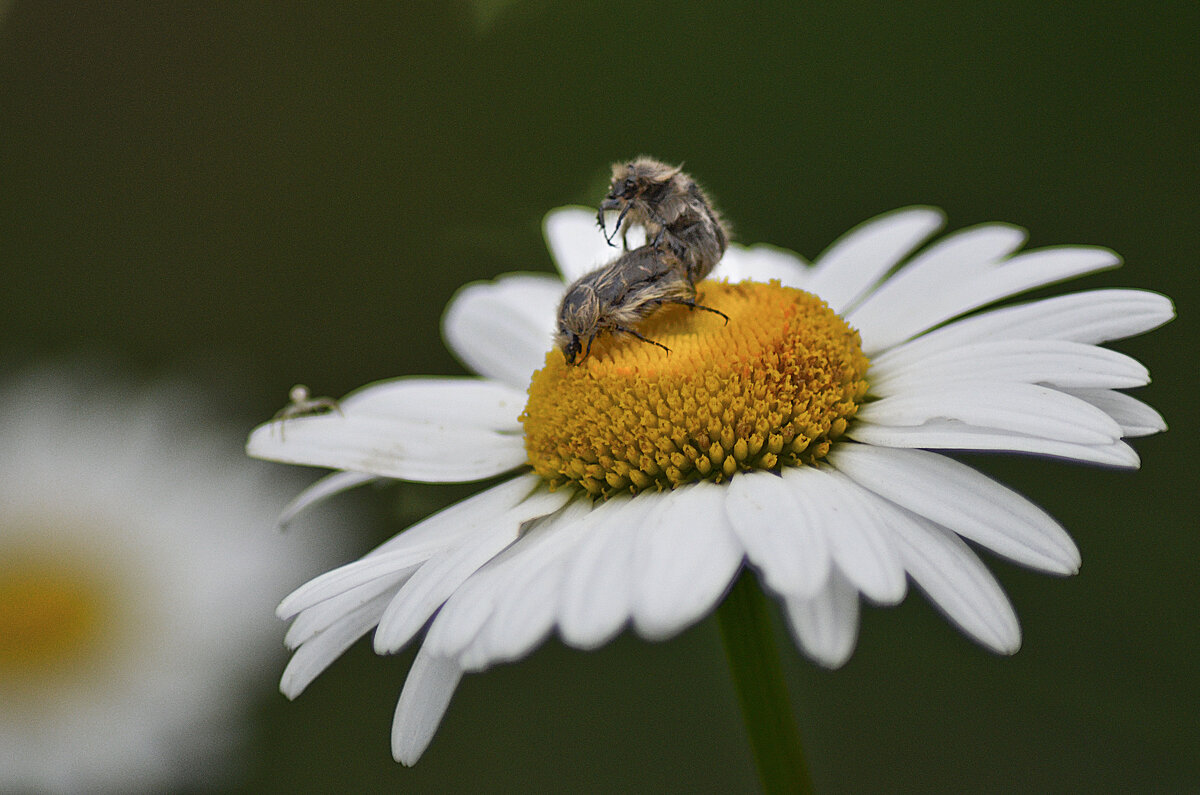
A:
<point x="259" y="440"/>
<point x="384" y="644"/>
<point x="831" y="660"/>
<point x="926" y="212"/>
<point x="291" y="685"/>
<point x="406" y="755"/>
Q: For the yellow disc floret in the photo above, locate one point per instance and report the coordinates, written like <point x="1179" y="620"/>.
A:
<point x="53" y="616"/>
<point x="773" y="387"/>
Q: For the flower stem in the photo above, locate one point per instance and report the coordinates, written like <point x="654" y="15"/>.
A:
<point x="758" y="675"/>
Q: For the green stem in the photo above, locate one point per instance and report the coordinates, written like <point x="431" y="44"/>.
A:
<point x="758" y="675"/>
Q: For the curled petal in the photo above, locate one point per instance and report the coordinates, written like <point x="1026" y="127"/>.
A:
<point x="503" y="329"/>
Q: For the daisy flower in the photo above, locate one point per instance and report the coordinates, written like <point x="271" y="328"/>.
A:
<point x="138" y="569"/>
<point x="799" y="439"/>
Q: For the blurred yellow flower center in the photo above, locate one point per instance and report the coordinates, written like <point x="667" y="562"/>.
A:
<point x="53" y="611"/>
<point x="773" y="387"/>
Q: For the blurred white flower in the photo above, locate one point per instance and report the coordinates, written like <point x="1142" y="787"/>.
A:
<point x="778" y="440"/>
<point x="139" y="565"/>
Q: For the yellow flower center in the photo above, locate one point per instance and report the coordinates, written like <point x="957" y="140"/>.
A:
<point x="54" y="612"/>
<point x="773" y="387"/>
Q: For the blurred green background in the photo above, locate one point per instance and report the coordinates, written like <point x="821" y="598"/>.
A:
<point x="263" y="194"/>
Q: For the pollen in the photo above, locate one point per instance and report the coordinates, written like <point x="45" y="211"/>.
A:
<point x="773" y="387"/>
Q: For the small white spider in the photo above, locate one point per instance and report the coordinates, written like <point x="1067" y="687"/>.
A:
<point x="302" y="404"/>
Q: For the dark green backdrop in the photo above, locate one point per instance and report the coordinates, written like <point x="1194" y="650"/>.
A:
<point x="258" y="195"/>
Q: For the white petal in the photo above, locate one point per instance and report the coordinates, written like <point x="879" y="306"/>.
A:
<point x="433" y="583"/>
<point x="1020" y="408"/>
<point x="316" y="654"/>
<point x="958" y="257"/>
<point x="762" y="263"/>
<point x="858" y="542"/>
<point x="955" y="580"/>
<point x="421" y="596"/>
<point x="598" y="585"/>
<point x="503" y="329"/>
<point x="471" y="607"/>
<point x="1090" y="317"/>
<point x="390" y="566"/>
<point x="858" y="260"/>
<point x="458" y="623"/>
<point x="1134" y="416"/>
<point x="951" y="435"/>
<point x="826" y="626"/>
<point x="959" y="498"/>
<point x="327" y="486"/>
<point x="958" y="296"/>
<point x="316" y="619"/>
<point x="1051" y="362"/>
<point x="576" y="242"/>
<point x="476" y="402"/>
<point x="427" y="692"/>
<point x="685" y="559"/>
<point x="417" y="451"/>
<point x="414" y="545"/>
<point x="519" y="624"/>
<point x="523" y="616"/>
<point x="781" y="533"/>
